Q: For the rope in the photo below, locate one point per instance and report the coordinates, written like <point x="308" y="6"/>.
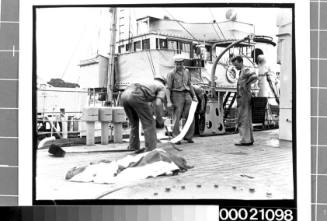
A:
<point x="215" y="30"/>
<point x="148" y="54"/>
<point x="182" y="25"/>
<point x="74" y="51"/>
<point x="151" y="65"/>
<point x="213" y="17"/>
<point x="151" y="61"/>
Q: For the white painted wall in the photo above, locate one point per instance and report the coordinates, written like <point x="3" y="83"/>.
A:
<point x="53" y="99"/>
<point x="284" y="56"/>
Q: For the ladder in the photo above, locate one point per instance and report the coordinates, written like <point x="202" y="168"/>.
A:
<point x="272" y="87"/>
<point x="228" y="102"/>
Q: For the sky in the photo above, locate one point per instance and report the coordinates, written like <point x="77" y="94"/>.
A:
<point x="67" y="35"/>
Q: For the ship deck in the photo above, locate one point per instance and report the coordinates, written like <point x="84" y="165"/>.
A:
<point x="221" y="171"/>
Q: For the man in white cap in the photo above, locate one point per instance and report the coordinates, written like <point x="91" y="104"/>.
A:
<point x="136" y="100"/>
<point x="180" y="94"/>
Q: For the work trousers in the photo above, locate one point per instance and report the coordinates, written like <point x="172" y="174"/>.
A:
<point x="244" y="110"/>
<point x="139" y="110"/>
<point x="182" y="102"/>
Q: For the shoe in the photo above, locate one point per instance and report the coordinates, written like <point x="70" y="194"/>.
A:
<point x="56" y="151"/>
<point x="243" y="144"/>
<point x="189" y="140"/>
<point x="139" y="151"/>
<point x="131" y="148"/>
<point x="178" y="143"/>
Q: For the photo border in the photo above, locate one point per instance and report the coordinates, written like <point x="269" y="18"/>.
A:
<point x="295" y="115"/>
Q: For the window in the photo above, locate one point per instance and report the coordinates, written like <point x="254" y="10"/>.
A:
<point x="146" y="44"/>
<point x="172" y="45"/>
<point x="186" y="47"/>
<point x="128" y="47"/>
<point x="208" y="53"/>
<point x="162" y="43"/>
<point x="137" y="46"/>
<point x="121" y="48"/>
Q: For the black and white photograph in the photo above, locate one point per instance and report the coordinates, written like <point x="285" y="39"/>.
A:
<point x="155" y="102"/>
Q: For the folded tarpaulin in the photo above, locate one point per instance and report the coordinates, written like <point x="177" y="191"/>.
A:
<point x="132" y="167"/>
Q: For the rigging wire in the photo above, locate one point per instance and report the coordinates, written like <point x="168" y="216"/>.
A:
<point x="213" y="17"/>
<point x="74" y="51"/>
<point x="148" y="54"/>
<point x="178" y="22"/>
<point x="151" y="60"/>
<point x="213" y="27"/>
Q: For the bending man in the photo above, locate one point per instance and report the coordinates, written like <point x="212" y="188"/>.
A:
<point x="136" y="100"/>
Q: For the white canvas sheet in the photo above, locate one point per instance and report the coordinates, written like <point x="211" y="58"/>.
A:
<point x="188" y="123"/>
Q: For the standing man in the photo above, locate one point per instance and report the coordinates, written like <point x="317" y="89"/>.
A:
<point x="180" y="94"/>
<point x="136" y="100"/>
<point x="265" y="81"/>
<point x="200" y="109"/>
<point x="244" y="108"/>
<point x="263" y="71"/>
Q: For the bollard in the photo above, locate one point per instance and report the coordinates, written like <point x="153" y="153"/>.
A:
<point x="90" y="115"/>
<point x="105" y="116"/>
<point x="64" y="129"/>
<point x="64" y="124"/>
<point x="90" y="125"/>
<point x="118" y="132"/>
<point x="118" y="117"/>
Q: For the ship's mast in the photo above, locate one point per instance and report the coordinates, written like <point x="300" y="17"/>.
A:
<point x="111" y="62"/>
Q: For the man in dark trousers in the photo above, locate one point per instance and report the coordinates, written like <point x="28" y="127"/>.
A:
<point x="244" y="108"/>
<point x="200" y="109"/>
<point x="136" y="100"/>
<point x="180" y="94"/>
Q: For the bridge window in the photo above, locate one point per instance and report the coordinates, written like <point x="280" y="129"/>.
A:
<point x="137" y="46"/>
<point x="146" y="44"/>
<point x="186" y="47"/>
<point x="121" y="49"/>
<point x="161" y="43"/>
<point x="128" y="47"/>
<point x="172" y="45"/>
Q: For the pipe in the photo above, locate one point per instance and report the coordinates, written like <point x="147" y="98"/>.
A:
<point x="44" y="141"/>
<point x="213" y="70"/>
<point x="110" y="83"/>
